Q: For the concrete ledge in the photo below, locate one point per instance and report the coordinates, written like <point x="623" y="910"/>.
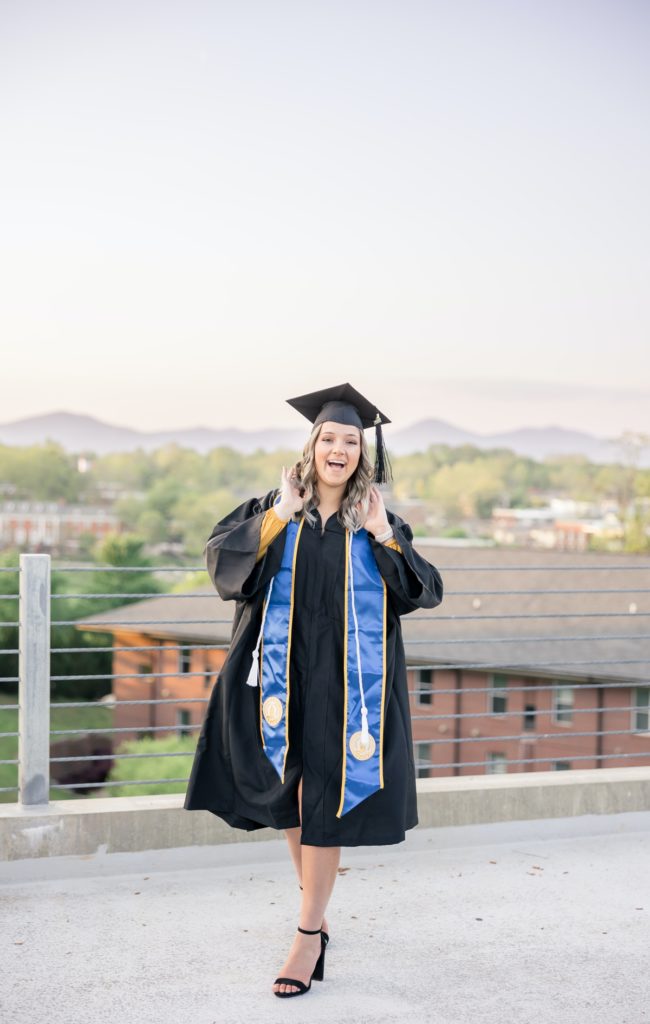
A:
<point x="129" y="824"/>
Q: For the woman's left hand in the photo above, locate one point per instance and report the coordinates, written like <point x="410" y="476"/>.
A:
<point x="376" y="520"/>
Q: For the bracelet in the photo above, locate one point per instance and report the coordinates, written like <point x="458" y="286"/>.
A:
<point x="381" y="537"/>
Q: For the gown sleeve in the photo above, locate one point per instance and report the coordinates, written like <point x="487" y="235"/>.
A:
<point x="411" y="580"/>
<point x="231" y="551"/>
<point x="272" y="525"/>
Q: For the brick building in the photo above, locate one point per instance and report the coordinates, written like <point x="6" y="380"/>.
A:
<point x="52" y="527"/>
<point x="534" y="661"/>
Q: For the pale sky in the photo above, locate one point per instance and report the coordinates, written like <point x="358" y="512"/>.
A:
<point x="207" y="208"/>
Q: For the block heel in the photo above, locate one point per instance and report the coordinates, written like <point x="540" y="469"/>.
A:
<point x="317" y="974"/>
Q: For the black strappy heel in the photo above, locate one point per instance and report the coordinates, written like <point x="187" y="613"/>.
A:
<point x="324" y="934"/>
<point x="317" y="973"/>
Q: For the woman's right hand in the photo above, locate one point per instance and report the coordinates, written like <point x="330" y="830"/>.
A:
<point x="290" y="497"/>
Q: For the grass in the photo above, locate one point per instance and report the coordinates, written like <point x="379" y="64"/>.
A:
<point x="128" y="770"/>
<point x="88" y="717"/>
<point x="134" y="769"/>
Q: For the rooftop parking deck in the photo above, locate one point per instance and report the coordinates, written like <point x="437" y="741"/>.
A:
<point x="542" y="921"/>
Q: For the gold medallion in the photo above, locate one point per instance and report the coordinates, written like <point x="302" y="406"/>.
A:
<point x="357" y="748"/>
<point x="272" y="710"/>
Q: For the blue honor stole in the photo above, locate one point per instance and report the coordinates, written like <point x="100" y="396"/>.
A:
<point x="364" y="666"/>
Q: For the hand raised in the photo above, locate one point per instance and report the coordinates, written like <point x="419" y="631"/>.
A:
<point x="290" y="497"/>
<point x="377" y="519"/>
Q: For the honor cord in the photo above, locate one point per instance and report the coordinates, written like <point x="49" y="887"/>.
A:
<point x="364" y="709"/>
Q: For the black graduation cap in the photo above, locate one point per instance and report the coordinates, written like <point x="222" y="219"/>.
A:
<point x="344" y="404"/>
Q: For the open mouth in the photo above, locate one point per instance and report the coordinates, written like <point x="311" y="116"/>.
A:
<point x="336" y="465"/>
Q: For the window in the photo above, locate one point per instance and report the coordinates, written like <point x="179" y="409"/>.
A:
<point x="497" y="695"/>
<point x="496" y="762"/>
<point x="182" y="721"/>
<point x="144" y="668"/>
<point x="422" y="759"/>
<point x="424" y="686"/>
<point x="530" y="712"/>
<point x="185" y="659"/>
<point x="562" y="704"/>
<point x="561" y="766"/>
<point x="641" y="709"/>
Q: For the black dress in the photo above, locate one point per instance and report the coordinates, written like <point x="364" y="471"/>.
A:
<point x="231" y="774"/>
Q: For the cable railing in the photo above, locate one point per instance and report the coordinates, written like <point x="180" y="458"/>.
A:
<point x="149" y="689"/>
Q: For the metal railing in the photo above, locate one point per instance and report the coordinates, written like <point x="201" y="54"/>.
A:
<point x="34" y="678"/>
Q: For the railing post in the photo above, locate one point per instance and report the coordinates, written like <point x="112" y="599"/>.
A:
<point x="34" y="680"/>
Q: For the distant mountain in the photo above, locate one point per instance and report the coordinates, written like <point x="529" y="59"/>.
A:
<point x="77" y="433"/>
<point x="420" y="435"/>
<point x="534" y="442"/>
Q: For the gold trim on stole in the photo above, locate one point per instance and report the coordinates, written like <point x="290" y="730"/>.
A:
<point x="345" y="672"/>
<point x="259" y="683"/>
<point x="383" y="692"/>
<point x="345" y="680"/>
<point x="291" y="603"/>
<point x="293" y="586"/>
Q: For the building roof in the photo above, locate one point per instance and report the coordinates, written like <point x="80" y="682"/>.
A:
<point x="558" y="614"/>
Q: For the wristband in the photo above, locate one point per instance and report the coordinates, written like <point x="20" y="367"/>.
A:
<point x="381" y="537"/>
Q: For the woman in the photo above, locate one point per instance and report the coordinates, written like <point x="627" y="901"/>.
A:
<point x="319" y="743"/>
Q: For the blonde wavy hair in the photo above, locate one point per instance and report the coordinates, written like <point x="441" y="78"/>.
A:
<point x="357" y="488"/>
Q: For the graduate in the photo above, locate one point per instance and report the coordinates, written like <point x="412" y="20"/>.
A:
<point x="308" y="727"/>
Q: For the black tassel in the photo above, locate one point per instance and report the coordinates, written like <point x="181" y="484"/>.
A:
<point x="383" y="468"/>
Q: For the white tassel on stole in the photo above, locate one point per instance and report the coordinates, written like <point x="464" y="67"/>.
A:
<point x="253" y="675"/>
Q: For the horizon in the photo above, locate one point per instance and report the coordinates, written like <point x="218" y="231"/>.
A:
<point x="626" y="410"/>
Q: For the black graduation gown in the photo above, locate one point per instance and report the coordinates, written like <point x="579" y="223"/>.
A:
<point x="231" y="774"/>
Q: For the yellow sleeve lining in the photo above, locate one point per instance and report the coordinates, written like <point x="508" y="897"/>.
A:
<point x="272" y="525"/>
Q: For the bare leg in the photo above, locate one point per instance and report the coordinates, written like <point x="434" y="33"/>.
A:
<point x="320" y="868"/>
<point x="317" y="869"/>
<point x="295" y="849"/>
<point x="293" y="839"/>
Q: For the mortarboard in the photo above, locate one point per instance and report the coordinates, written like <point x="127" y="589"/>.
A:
<point x="344" y="404"/>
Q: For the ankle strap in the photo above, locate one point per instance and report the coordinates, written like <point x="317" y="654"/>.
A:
<point x="305" y="931"/>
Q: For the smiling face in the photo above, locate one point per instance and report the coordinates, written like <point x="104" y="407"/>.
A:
<point x="337" y="452"/>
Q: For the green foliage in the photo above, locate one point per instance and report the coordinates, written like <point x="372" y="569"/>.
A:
<point x="176" y="495"/>
<point x="41" y="473"/>
<point x="8" y="744"/>
<point x="637" y="529"/>
<point x="129" y="470"/>
<point x="132" y="769"/>
<point x="467" y="481"/>
<point x="9" y="584"/>
<point x="89" y="717"/>
<point x="196" y="515"/>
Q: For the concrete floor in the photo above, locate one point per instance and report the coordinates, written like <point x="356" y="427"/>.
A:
<point x="530" y="922"/>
